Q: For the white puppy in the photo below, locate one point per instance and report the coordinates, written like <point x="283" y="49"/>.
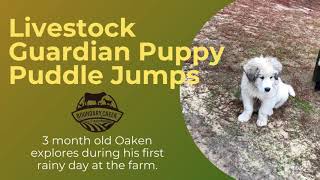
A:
<point x="261" y="80"/>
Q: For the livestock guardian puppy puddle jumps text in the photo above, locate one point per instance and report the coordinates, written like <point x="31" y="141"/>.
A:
<point x="261" y="80"/>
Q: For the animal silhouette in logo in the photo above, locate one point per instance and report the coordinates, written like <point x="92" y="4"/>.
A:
<point x="96" y="100"/>
<point x="99" y="99"/>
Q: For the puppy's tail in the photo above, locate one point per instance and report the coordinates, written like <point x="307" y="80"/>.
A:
<point x="291" y="91"/>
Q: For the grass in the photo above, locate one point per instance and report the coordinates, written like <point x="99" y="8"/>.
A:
<point x="254" y="50"/>
<point x="236" y="93"/>
<point x="302" y="104"/>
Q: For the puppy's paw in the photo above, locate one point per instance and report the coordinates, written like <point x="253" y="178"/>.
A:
<point x="244" y="117"/>
<point x="262" y="122"/>
<point x="291" y="91"/>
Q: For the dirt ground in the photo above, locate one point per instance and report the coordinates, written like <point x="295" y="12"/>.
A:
<point x="289" y="147"/>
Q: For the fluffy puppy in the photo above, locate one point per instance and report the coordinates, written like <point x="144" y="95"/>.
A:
<point x="261" y="80"/>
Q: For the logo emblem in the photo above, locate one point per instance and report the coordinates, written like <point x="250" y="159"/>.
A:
<point x="97" y="112"/>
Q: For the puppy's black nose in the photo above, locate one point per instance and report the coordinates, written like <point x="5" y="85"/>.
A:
<point x="267" y="89"/>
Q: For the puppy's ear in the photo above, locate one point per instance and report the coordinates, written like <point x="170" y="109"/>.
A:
<point x="251" y="71"/>
<point x="277" y="66"/>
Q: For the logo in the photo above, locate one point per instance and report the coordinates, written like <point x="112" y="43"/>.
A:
<point x="97" y="112"/>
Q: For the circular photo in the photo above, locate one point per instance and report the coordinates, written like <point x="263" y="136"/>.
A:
<point x="256" y="115"/>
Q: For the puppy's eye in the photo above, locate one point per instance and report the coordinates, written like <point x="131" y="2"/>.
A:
<point x="261" y="77"/>
<point x="271" y="77"/>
